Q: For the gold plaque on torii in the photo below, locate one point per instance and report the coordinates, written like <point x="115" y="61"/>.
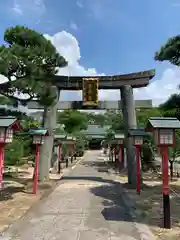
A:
<point x="90" y="91"/>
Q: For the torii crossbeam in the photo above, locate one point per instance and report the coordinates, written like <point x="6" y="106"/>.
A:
<point x="102" y="105"/>
<point x="135" y="80"/>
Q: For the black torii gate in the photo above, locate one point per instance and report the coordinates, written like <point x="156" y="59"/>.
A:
<point x="125" y="83"/>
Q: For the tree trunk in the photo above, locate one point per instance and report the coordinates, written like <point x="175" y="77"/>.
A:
<point x="47" y="148"/>
<point x="129" y="116"/>
<point x="44" y="116"/>
<point x="121" y="161"/>
<point x="112" y="155"/>
<point x="122" y="157"/>
<point x="171" y="170"/>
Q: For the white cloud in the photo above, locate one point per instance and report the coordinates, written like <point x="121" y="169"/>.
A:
<point x="74" y="26"/>
<point x="67" y="45"/>
<point x="161" y="89"/>
<point x="35" y="8"/>
<point x="17" y="8"/>
<point x="98" y="10"/>
<point x="158" y="90"/>
<point x="79" y="4"/>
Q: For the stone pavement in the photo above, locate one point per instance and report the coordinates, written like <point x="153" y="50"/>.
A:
<point x="87" y="205"/>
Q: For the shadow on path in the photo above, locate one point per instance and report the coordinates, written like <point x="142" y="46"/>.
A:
<point x="116" y="202"/>
<point x="89" y="178"/>
<point x="111" y="192"/>
<point x="100" y="166"/>
<point x="114" y="207"/>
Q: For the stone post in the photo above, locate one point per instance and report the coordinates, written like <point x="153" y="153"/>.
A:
<point x="129" y="115"/>
<point x="47" y="147"/>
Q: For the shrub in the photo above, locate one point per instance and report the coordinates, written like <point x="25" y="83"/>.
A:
<point x="14" y="153"/>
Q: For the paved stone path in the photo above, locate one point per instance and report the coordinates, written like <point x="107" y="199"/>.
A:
<point x="87" y="205"/>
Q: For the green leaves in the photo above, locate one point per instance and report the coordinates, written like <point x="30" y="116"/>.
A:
<point x="170" y="51"/>
<point x="5" y="101"/>
<point x="14" y="152"/>
<point x="171" y="108"/>
<point x="73" y="120"/>
<point x="115" y="120"/>
<point x="174" y="152"/>
<point x="32" y="60"/>
<point x="144" y="114"/>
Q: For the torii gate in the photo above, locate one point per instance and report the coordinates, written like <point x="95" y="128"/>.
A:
<point x="124" y="83"/>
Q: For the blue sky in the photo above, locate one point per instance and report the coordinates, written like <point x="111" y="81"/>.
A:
<point x="114" y="36"/>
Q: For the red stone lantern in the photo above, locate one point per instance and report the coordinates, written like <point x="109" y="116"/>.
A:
<point x="163" y="129"/>
<point x="120" y="141"/>
<point x="8" y="125"/>
<point x="69" y="141"/>
<point x="138" y="138"/>
<point x="38" y="139"/>
<point x="59" y="139"/>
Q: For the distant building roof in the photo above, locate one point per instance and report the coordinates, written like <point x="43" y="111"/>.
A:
<point x="97" y="137"/>
<point x="95" y="130"/>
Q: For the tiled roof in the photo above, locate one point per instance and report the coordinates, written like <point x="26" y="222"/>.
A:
<point x="7" y="121"/>
<point x="163" y="122"/>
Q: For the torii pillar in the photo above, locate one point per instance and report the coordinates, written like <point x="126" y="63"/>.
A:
<point x="129" y="116"/>
<point x="50" y="114"/>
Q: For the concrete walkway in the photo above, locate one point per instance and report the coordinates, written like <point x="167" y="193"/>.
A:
<point x="87" y="205"/>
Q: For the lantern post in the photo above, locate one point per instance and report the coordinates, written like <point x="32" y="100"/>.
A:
<point x="73" y="149"/>
<point x="8" y="125"/>
<point x="121" y="145"/>
<point x="38" y="139"/>
<point x="163" y="129"/>
<point x="58" y="141"/>
<point x="138" y="137"/>
<point x="120" y="142"/>
<point x="67" y="152"/>
<point x="67" y="157"/>
<point x="112" y="152"/>
<point x="69" y="143"/>
<point x="59" y="157"/>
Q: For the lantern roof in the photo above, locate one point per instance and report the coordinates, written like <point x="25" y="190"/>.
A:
<point x="115" y="141"/>
<point x="96" y="137"/>
<point x="9" y="122"/>
<point x="43" y="132"/>
<point x="64" y="137"/>
<point x="69" y="137"/>
<point x="163" y="122"/>
<point x="119" y="136"/>
<point x="138" y="132"/>
<point x="59" y="136"/>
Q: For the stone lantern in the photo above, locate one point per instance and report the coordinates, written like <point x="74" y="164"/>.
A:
<point x="163" y="129"/>
<point x="38" y="139"/>
<point x="138" y="136"/>
<point x="8" y="125"/>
